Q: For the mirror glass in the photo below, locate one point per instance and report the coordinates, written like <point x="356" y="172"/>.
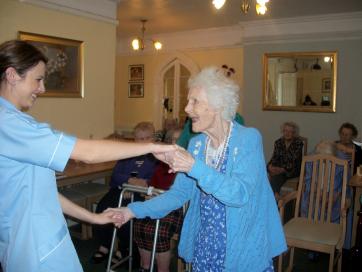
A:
<point x="300" y="81"/>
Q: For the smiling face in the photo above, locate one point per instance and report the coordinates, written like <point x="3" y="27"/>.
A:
<point x="26" y="88"/>
<point x="202" y="115"/>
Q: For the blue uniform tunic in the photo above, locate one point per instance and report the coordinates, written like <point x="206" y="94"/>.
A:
<point x="33" y="231"/>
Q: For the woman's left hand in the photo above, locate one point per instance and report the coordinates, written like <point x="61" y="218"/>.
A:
<point x="108" y="216"/>
<point x="181" y="161"/>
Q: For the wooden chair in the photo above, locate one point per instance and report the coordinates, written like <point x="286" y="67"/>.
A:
<point x="316" y="231"/>
<point x="292" y="183"/>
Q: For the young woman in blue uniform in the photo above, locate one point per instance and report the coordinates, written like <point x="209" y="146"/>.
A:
<point x="33" y="232"/>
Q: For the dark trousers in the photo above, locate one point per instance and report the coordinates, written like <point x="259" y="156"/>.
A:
<point x="277" y="181"/>
<point x="103" y="233"/>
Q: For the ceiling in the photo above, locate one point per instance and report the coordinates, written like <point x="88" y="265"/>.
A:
<point x="181" y="15"/>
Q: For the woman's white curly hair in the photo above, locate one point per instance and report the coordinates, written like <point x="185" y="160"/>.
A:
<point x="221" y="91"/>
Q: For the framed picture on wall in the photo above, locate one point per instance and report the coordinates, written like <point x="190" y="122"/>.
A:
<point x="64" y="77"/>
<point x="135" y="89"/>
<point x="136" y="72"/>
<point x="326" y="85"/>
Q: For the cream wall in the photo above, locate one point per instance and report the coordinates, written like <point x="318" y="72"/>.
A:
<point x="93" y="114"/>
<point x="130" y="111"/>
<point x="247" y="60"/>
<point x="315" y="126"/>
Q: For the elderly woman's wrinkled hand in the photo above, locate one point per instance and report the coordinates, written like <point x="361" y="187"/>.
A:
<point x="181" y="161"/>
<point x="120" y="216"/>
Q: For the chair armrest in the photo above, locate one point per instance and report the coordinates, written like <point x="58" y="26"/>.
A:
<point x="287" y="198"/>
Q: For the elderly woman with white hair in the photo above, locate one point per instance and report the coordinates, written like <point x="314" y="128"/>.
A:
<point x="232" y="222"/>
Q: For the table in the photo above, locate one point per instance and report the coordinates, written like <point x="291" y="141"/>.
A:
<point x="78" y="172"/>
<point x="356" y="181"/>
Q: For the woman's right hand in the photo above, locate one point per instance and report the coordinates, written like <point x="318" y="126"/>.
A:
<point x="121" y="215"/>
<point x="181" y="161"/>
<point x="164" y="152"/>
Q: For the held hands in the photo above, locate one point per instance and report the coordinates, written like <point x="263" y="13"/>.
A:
<point x="120" y="215"/>
<point x="176" y="157"/>
<point x="163" y="155"/>
<point x="107" y="216"/>
<point x="180" y="160"/>
<point x="160" y="151"/>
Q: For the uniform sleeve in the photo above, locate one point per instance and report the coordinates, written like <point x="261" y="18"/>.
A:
<point x="27" y="141"/>
<point x="234" y="188"/>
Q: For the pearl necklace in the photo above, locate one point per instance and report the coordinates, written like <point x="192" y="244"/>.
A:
<point x="214" y="157"/>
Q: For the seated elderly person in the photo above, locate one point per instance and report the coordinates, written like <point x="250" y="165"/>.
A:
<point x="136" y="171"/>
<point x="345" y="146"/>
<point x="232" y="221"/>
<point x="144" y="229"/>
<point x="287" y="157"/>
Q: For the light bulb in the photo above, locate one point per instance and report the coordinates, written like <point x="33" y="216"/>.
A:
<point x="218" y="3"/>
<point x="245" y="6"/>
<point x="157" y="45"/>
<point x="136" y="44"/>
<point x="327" y="59"/>
<point x="262" y="2"/>
<point x="261" y="9"/>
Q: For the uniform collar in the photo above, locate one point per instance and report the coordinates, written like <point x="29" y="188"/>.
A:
<point x="5" y="103"/>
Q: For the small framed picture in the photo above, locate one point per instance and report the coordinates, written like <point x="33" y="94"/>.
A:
<point x="135" y="89"/>
<point x="326" y="85"/>
<point x="136" y="72"/>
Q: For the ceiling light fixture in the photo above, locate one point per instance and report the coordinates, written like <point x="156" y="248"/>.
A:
<point x="139" y="42"/>
<point x="316" y="65"/>
<point x="260" y="5"/>
<point x="218" y="3"/>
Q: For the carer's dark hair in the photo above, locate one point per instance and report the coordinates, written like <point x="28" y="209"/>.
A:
<point x="349" y="126"/>
<point x="20" y="55"/>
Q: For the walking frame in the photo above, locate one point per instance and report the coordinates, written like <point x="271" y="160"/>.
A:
<point x="150" y="191"/>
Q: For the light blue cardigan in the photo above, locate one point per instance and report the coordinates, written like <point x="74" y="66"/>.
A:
<point x="254" y="231"/>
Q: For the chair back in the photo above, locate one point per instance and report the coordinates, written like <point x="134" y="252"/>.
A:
<point x="322" y="188"/>
<point x="305" y="144"/>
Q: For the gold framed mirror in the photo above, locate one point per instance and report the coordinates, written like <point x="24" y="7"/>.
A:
<point x="300" y="81"/>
